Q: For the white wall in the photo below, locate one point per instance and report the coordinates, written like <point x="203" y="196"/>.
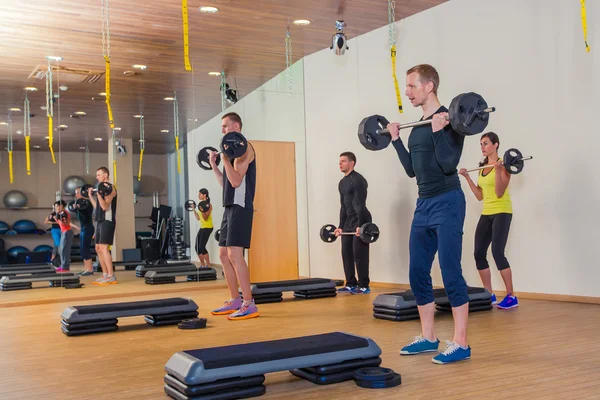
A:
<point x="269" y="113"/>
<point x="527" y="58"/>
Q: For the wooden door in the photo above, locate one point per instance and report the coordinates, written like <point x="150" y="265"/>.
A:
<point x="273" y="253"/>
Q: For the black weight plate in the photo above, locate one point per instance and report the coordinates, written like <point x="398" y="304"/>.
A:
<point x="71" y="206"/>
<point x="327" y="233"/>
<point x="84" y="190"/>
<point x="368" y="136"/>
<point x="234" y="145"/>
<point x="190" y="205"/>
<point x="396" y="380"/>
<point x="83" y="204"/>
<point x="203" y="156"/>
<point x="369" y="232"/>
<point x="465" y="114"/>
<point x="193" y="323"/>
<point x="104" y="189"/>
<point x="204" y="206"/>
<point x="513" y="161"/>
<point x="217" y="234"/>
<point x="373" y="374"/>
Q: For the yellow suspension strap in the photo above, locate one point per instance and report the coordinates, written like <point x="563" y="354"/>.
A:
<point x="106" y="53"/>
<point x="584" y="25"/>
<point x="176" y="130"/>
<point x="114" y="158"/>
<point x="50" y="109"/>
<point x="9" y="147"/>
<point x="392" y="31"/>
<point x="142" y="147"/>
<point x="27" y="133"/>
<point x="186" y="38"/>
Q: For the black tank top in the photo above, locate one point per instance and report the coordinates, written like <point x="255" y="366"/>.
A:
<point x="108" y="215"/>
<point x="243" y="195"/>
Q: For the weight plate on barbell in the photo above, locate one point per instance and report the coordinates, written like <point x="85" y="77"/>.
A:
<point x="327" y="233"/>
<point x="368" y="136"/>
<point x="466" y="114"/>
<point x="513" y="161"/>
<point x="203" y="158"/>
<point x="369" y="232"/>
<point x="234" y="145"/>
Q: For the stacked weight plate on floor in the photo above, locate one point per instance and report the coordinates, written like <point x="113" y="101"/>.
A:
<point x="400" y="306"/>
<point x="479" y="300"/>
<point x="334" y="373"/>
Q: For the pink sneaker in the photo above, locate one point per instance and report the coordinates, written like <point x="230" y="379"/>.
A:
<point x="62" y="270"/>
<point x="229" y="307"/>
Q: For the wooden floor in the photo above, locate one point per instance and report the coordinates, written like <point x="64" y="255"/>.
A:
<point x="543" y="350"/>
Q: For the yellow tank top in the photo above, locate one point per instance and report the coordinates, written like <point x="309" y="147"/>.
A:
<point x="205" y="223"/>
<point x="491" y="203"/>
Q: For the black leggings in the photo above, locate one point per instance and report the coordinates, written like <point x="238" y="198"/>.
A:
<point x="492" y="229"/>
<point x="202" y="239"/>
<point x="356" y="251"/>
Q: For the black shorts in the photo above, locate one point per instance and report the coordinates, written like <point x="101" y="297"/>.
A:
<point x="105" y="232"/>
<point x="202" y="240"/>
<point x="236" y="228"/>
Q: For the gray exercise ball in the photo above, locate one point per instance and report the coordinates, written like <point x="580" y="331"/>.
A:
<point x="137" y="185"/>
<point x="15" y="199"/>
<point x="71" y="183"/>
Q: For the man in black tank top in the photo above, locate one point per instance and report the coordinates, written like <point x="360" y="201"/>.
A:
<point x="238" y="180"/>
<point x="105" y="211"/>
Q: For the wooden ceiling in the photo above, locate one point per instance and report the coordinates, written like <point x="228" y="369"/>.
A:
<point x="245" y="39"/>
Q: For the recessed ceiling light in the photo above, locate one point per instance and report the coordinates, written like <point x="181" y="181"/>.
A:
<point x="19" y="132"/>
<point x="139" y="66"/>
<point x="81" y="148"/>
<point x="54" y="58"/>
<point x="164" y="131"/>
<point x="98" y="139"/>
<point x="16" y="109"/>
<point x="63" y="88"/>
<point x="208" y="9"/>
<point x="117" y="128"/>
<point x="102" y="94"/>
<point x="36" y="147"/>
<point x="169" y="98"/>
<point x="31" y="89"/>
<point x="79" y="113"/>
<point x="3" y="123"/>
<point x="43" y="108"/>
<point x="138" y="116"/>
<point x="214" y="73"/>
<point x="302" y="22"/>
<point x="62" y="126"/>
<point x="46" y="137"/>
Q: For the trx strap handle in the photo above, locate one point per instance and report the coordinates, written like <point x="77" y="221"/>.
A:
<point x="140" y="169"/>
<point x="178" y="158"/>
<point x="107" y="101"/>
<point x="27" y="155"/>
<point x="27" y="132"/>
<point x="584" y="25"/>
<point x="393" y="54"/>
<point x="10" y="166"/>
<point x="115" y="172"/>
<point x="186" y="38"/>
<point x="142" y="146"/>
<point x="50" y="140"/>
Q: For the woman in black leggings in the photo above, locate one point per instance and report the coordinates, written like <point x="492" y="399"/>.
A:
<point x="496" y="216"/>
<point x="206" y="228"/>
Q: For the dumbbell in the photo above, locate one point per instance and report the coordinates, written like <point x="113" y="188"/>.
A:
<point x="52" y="216"/>
<point x="369" y="233"/>
<point x="233" y="145"/>
<point x="513" y="161"/>
<point x="468" y="115"/>
<point x="103" y="189"/>
<point x="79" y="204"/>
<point x="62" y="215"/>
<point x="203" y="206"/>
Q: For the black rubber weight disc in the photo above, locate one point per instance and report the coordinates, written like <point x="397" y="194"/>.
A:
<point x="373" y="374"/>
<point x="193" y="323"/>
<point x="389" y="383"/>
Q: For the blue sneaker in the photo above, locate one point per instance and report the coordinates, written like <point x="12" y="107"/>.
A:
<point x="453" y="353"/>
<point x="419" y="345"/>
<point x="494" y="301"/>
<point x="508" y="302"/>
<point x="346" y="289"/>
<point x="246" y="311"/>
<point x="360" y="290"/>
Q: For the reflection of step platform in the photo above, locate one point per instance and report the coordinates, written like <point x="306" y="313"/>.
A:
<point x="232" y="372"/>
<point x="25" y="282"/>
<point x="26" y="270"/>
<point x="81" y="320"/>
<point x="169" y="276"/>
<point x="312" y="288"/>
<point x="142" y="270"/>
<point x="402" y="306"/>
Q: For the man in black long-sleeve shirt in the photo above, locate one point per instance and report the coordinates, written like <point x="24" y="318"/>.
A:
<point x="433" y="155"/>
<point x="353" y="214"/>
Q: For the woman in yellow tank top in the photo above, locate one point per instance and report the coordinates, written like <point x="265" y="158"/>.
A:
<point x="496" y="216"/>
<point x="206" y="228"/>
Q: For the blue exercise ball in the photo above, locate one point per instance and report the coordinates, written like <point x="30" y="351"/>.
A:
<point x="15" y="199"/>
<point x="42" y="248"/>
<point x="71" y="183"/>
<point x="24" y="226"/>
<point x="13" y="252"/>
<point x="4" y="227"/>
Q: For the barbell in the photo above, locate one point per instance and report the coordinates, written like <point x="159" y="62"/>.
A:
<point x="203" y="206"/>
<point x="369" y="233"/>
<point x="233" y="145"/>
<point x="103" y="189"/>
<point x="513" y="162"/>
<point x="468" y="115"/>
<point x="79" y="204"/>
